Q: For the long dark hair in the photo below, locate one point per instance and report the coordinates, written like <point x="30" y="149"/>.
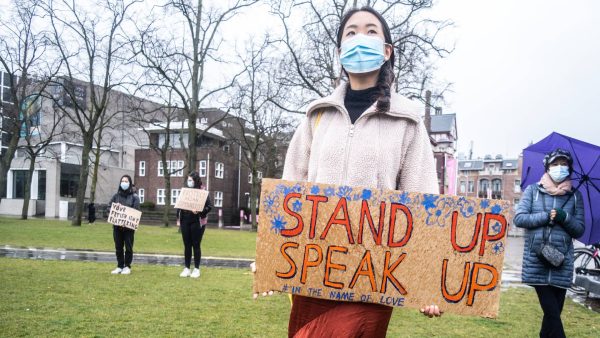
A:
<point x="197" y="181"/>
<point x="386" y="72"/>
<point x="130" y="189"/>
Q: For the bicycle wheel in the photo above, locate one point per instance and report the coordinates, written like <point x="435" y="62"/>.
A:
<point x="583" y="259"/>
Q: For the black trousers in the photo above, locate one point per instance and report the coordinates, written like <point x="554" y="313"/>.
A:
<point x="123" y="237"/>
<point x="552" y="300"/>
<point x="192" y="236"/>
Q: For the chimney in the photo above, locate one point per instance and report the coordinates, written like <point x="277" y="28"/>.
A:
<point x="428" y="111"/>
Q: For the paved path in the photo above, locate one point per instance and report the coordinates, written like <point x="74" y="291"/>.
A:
<point x="99" y="256"/>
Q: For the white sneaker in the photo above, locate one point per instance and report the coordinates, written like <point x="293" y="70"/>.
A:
<point x="126" y="271"/>
<point x="185" y="273"/>
<point x="195" y="273"/>
<point x="116" y="271"/>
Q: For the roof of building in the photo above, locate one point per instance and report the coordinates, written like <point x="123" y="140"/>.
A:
<point x="510" y="164"/>
<point x="443" y="123"/>
<point x="470" y="165"/>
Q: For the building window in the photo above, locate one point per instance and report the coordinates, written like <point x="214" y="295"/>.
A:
<point x="219" y="199"/>
<point x="219" y="169"/>
<point x="142" y="169"/>
<point x="160" y="196"/>
<point x="496" y="189"/>
<point x="19" y="182"/>
<point x="202" y="168"/>
<point x="484" y="187"/>
<point x="141" y="194"/>
<point x="250" y="177"/>
<point x="516" y="201"/>
<point x="5" y="87"/>
<point x="517" y="186"/>
<point x="161" y="170"/>
<point x="174" y="195"/>
<point x="471" y="186"/>
<point x="463" y="187"/>
<point x="176" y="168"/>
<point x="259" y="175"/>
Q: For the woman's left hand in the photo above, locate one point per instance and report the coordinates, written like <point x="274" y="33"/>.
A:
<point x="431" y="311"/>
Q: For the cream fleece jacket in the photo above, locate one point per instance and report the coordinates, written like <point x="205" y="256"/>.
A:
<point x="388" y="150"/>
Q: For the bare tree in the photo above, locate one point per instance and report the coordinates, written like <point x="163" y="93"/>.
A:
<point x="260" y="121"/>
<point x="36" y="137"/>
<point x="312" y="54"/>
<point x="90" y="46"/>
<point x="26" y="68"/>
<point x="181" y="57"/>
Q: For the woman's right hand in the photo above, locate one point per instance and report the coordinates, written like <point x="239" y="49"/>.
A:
<point x="178" y="222"/>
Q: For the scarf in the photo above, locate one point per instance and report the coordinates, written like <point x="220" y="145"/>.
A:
<point x="555" y="189"/>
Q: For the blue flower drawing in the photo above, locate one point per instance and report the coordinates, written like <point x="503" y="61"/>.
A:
<point x="403" y="198"/>
<point x="296" y="188"/>
<point x="315" y="190"/>
<point x="278" y="224"/>
<point x="271" y="203"/>
<point x="366" y="194"/>
<point x="330" y="191"/>
<point x="497" y="227"/>
<point x="484" y="204"/>
<point x="344" y="191"/>
<point x="429" y="201"/>
<point x="498" y="248"/>
<point x="439" y="214"/>
<point x="297" y="206"/>
<point x="496" y="209"/>
<point x="467" y="207"/>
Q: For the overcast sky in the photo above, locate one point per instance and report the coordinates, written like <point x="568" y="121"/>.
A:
<point x="522" y="69"/>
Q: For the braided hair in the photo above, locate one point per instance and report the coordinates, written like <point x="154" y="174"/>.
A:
<point x="386" y="72"/>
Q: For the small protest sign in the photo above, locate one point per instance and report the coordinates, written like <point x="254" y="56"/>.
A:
<point x="191" y="199"/>
<point x="124" y="216"/>
<point x="381" y="246"/>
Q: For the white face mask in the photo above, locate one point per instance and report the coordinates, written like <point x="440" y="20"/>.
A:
<point x="190" y="183"/>
<point x="559" y="173"/>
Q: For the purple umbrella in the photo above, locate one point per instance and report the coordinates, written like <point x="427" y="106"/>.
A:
<point x="585" y="177"/>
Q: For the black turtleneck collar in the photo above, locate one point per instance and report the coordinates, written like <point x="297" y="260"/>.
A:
<point x="357" y="101"/>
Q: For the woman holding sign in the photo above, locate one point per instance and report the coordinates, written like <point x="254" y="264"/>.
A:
<point x="192" y="225"/>
<point x="363" y="134"/>
<point x="552" y="215"/>
<point x="122" y="236"/>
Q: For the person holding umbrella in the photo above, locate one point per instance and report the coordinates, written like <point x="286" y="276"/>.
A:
<point x="552" y="214"/>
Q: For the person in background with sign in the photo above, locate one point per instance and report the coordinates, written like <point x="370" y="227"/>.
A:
<point x="552" y="214"/>
<point x="192" y="226"/>
<point x="364" y="134"/>
<point x="121" y="235"/>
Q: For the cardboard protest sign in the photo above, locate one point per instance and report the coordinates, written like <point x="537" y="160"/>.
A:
<point x="191" y="199"/>
<point x="124" y="216"/>
<point x="386" y="247"/>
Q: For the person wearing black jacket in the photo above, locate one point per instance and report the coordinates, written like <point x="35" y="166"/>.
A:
<point x="192" y="226"/>
<point x="121" y="235"/>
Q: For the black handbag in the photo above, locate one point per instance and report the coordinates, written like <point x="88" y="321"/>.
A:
<point x="548" y="253"/>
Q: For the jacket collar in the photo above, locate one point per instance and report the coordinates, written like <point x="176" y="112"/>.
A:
<point x="400" y="106"/>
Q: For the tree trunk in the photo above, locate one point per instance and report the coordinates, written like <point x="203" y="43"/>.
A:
<point x="88" y="139"/>
<point x="253" y="191"/>
<point x="27" y="194"/>
<point x="95" y="170"/>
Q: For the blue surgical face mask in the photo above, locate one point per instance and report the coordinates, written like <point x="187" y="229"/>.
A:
<point x="558" y="173"/>
<point x="124" y="185"/>
<point x="362" y="54"/>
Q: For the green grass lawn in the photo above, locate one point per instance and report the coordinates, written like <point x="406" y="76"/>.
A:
<point x="58" y="298"/>
<point x="148" y="239"/>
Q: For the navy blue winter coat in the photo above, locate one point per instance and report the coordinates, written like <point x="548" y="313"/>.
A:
<point x="532" y="216"/>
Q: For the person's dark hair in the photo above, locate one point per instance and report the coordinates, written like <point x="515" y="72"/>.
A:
<point x="556" y="154"/>
<point x="386" y="73"/>
<point x="197" y="181"/>
<point x="130" y="189"/>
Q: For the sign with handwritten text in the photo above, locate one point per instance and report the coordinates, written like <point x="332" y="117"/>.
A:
<point x="191" y="199"/>
<point x="381" y="246"/>
<point x="124" y="216"/>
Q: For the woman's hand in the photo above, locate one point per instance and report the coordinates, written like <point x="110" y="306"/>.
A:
<point x="178" y="222"/>
<point x="431" y="311"/>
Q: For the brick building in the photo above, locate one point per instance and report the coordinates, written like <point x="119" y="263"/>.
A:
<point x="220" y="165"/>
<point x="494" y="178"/>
